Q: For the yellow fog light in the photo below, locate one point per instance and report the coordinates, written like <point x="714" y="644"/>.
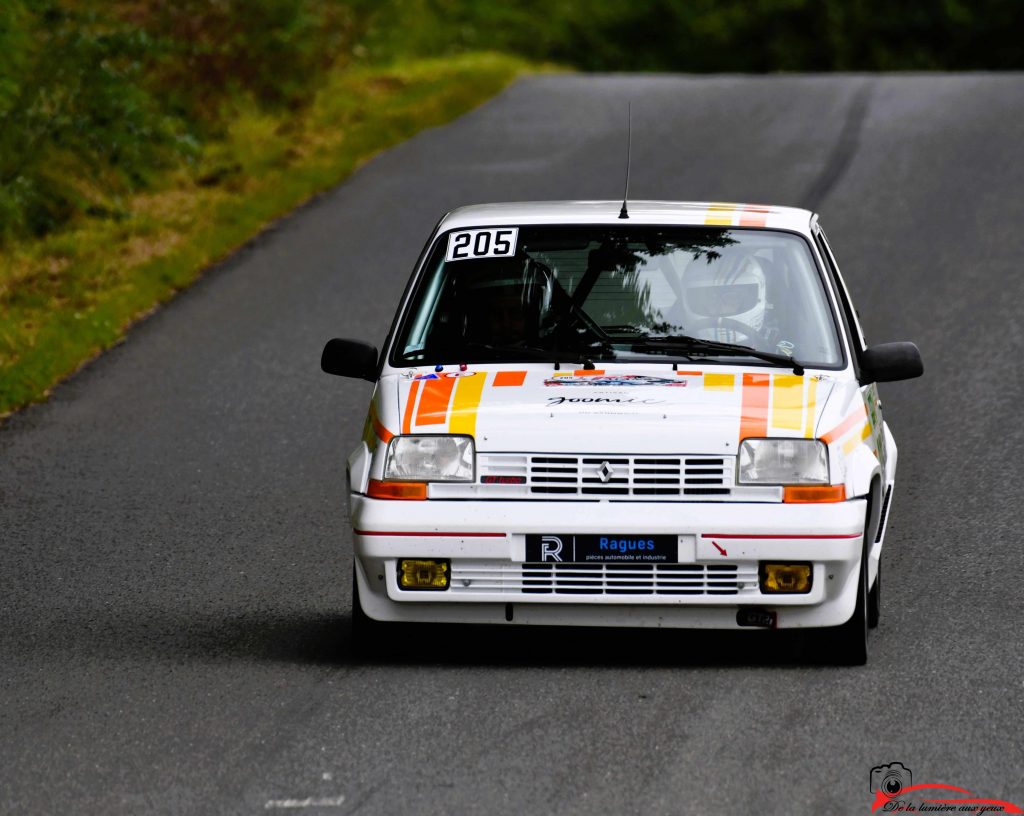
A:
<point x="791" y="579"/>
<point x="415" y="573"/>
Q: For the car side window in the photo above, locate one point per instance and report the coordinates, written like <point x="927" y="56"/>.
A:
<point x="844" y="293"/>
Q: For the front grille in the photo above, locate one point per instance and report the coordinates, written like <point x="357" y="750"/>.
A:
<point x="604" y="579"/>
<point x="601" y="477"/>
<point x="629" y="475"/>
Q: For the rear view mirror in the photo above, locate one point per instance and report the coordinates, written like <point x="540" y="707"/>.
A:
<point x="889" y="362"/>
<point x="350" y="358"/>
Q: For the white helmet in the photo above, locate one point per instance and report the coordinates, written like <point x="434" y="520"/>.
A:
<point x="735" y="291"/>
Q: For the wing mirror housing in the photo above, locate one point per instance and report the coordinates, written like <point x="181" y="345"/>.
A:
<point x="350" y="358"/>
<point x="888" y="362"/>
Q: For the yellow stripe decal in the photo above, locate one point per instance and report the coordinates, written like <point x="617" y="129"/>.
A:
<point x="856" y="439"/>
<point x="464" y="407"/>
<point x="369" y="437"/>
<point x="787" y="401"/>
<point x="719" y="382"/>
<point x="812" y="406"/>
<point x="720" y="215"/>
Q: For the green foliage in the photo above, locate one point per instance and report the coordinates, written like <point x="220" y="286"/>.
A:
<point x="274" y="50"/>
<point x="77" y="123"/>
<point x="714" y="35"/>
<point x="70" y="294"/>
<point x="95" y="95"/>
<point x="14" y="47"/>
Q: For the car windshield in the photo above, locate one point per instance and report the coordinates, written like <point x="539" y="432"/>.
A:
<point x="515" y="294"/>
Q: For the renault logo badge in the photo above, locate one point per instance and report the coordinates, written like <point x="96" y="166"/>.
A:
<point x="605" y="471"/>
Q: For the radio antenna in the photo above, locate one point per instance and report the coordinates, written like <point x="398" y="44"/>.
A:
<point x="624" y="213"/>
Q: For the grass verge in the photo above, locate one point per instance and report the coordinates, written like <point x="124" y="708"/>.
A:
<point x="69" y="296"/>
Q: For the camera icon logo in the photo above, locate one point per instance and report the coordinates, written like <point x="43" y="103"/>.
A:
<point x="891" y="779"/>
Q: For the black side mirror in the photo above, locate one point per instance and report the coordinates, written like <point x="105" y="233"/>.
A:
<point x="889" y="362"/>
<point x="350" y="358"/>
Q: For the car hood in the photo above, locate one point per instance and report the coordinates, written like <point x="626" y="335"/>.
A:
<point x="649" y="409"/>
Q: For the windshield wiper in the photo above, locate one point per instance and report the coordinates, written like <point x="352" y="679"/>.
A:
<point x="688" y="345"/>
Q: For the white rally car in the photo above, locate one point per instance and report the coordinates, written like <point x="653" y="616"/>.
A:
<point x="665" y="419"/>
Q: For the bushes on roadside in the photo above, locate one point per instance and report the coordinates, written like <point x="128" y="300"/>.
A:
<point x="272" y="50"/>
<point x="716" y="35"/>
<point x="97" y="96"/>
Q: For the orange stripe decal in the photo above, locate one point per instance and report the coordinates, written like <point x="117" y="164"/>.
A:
<point x="754" y="410"/>
<point x="509" y="378"/>
<point x="437" y="394"/>
<point x="583" y="372"/>
<point x="383" y="434"/>
<point x="407" y="419"/>
<point x="688" y="373"/>
<point x="845" y="425"/>
<point x="754" y="216"/>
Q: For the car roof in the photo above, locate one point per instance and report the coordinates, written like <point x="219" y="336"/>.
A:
<point x="665" y="213"/>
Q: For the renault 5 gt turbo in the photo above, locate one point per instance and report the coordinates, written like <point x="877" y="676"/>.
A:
<point x="660" y="417"/>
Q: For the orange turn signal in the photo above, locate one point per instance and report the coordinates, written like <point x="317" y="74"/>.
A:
<point x="804" y="494"/>
<point x="409" y="491"/>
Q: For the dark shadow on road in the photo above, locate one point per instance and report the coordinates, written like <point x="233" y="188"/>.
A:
<point x="533" y="646"/>
<point x="317" y="639"/>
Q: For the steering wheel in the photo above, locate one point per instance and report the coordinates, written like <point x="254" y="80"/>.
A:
<point x="749" y="332"/>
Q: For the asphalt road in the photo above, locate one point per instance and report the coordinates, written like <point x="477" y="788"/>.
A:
<point x="175" y="560"/>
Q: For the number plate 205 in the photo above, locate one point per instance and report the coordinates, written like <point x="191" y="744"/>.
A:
<point x="498" y="242"/>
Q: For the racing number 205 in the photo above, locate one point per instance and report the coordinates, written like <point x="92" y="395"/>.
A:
<point x="482" y="243"/>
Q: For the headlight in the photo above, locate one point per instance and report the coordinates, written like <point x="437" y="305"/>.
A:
<point x="783" y="462"/>
<point x="430" y="459"/>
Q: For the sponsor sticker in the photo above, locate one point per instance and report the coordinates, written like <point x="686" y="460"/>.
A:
<point x="562" y="548"/>
<point x="552" y="401"/>
<point x="615" y="380"/>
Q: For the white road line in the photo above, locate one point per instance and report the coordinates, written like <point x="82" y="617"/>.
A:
<point x="327" y="801"/>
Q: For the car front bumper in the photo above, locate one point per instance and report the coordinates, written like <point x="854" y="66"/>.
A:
<point x="720" y="548"/>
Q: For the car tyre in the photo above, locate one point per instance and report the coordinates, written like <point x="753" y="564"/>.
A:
<point x="875" y="599"/>
<point x="368" y="635"/>
<point x="847" y="645"/>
